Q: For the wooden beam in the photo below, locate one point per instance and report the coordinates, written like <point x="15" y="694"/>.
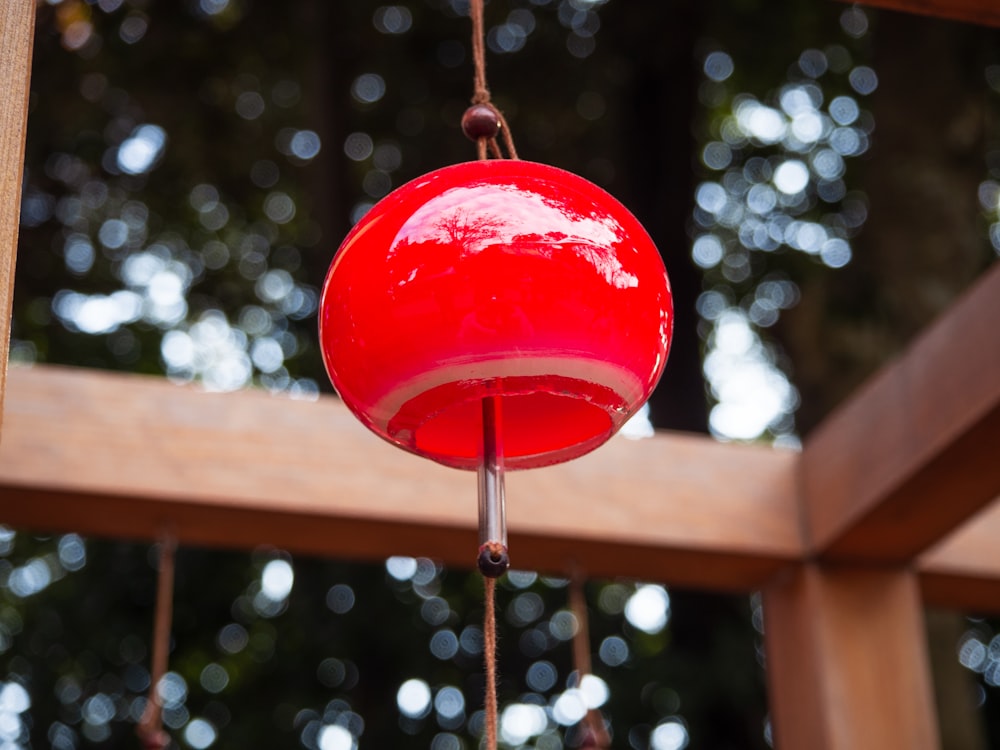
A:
<point x="17" y="34"/>
<point x="847" y="662"/>
<point x="126" y="456"/>
<point x="913" y="454"/>
<point x="963" y="571"/>
<point x="979" y="12"/>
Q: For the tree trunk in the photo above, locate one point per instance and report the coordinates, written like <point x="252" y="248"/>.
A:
<point x="658" y="149"/>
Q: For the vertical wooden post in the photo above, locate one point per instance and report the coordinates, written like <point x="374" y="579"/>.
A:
<point x="17" y="31"/>
<point x="847" y="660"/>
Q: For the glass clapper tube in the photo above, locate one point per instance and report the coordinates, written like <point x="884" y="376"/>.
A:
<point x="493" y="559"/>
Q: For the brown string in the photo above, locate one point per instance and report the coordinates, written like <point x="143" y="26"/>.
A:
<point x="484" y="147"/>
<point x="481" y="90"/>
<point x="594" y="734"/>
<point x="150" y="726"/>
<point x="490" y="657"/>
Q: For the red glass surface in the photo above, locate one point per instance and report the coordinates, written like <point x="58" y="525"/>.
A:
<point x="496" y="278"/>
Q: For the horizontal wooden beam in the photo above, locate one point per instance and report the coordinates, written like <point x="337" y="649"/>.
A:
<point x="963" y="571"/>
<point x="128" y="456"/>
<point x="979" y="12"/>
<point x="912" y="455"/>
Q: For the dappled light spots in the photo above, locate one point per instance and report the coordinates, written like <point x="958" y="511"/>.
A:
<point x="614" y="651"/>
<point x="519" y="722"/>
<point x="979" y="651"/>
<point x="340" y="599"/>
<point x="393" y="19"/>
<point x="332" y="672"/>
<point x="214" y="678"/>
<point x="776" y="174"/>
<point x="200" y="734"/>
<point x="213" y="7"/>
<point x="97" y="313"/>
<point x="718" y="66"/>
<point x="863" y="80"/>
<point x="435" y="611"/>
<point x="790" y="177"/>
<point x="669" y="735"/>
<point x="471" y="640"/>
<point x="525" y="608"/>
<point x="449" y="704"/>
<point x="305" y="144"/>
<point x="29" y="579"/>
<point x="989" y="201"/>
<point x="444" y="644"/>
<point x="368" y="88"/>
<point x="401" y="568"/>
<point x="233" y="638"/>
<point x="276" y="580"/>
<point x="133" y="27"/>
<point x="250" y="105"/>
<point x="541" y="676"/>
<point x="358" y="146"/>
<point x="569" y="708"/>
<point x="139" y="152"/>
<point x="752" y="393"/>
<point x="72" y="552"/>
<point x="414" y="698"/>
<point x="648" y="608"/>
<point x="854" y="22"/>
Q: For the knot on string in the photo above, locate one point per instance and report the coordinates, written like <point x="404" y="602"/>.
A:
<point x="481" y="95"/>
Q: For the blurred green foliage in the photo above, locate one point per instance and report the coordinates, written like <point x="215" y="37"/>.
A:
<point x="190" y="170"/>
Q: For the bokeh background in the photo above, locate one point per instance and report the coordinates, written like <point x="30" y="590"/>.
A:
<point x="822" y="180"/>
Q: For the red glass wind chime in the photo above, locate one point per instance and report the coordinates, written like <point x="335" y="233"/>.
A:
<point x="496" y="314"/>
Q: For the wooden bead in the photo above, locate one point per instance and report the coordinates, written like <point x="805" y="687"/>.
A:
<point x="493" y="560"/>
<point x="480" y="121"/>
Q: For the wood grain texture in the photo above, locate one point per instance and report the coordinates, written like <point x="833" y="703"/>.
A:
<point x="912" y="455"/>
<point x="847" y="660"/>
<point x="124" y="456"/>
<point x="979" y="12"/>
<point x="17" y="28"/>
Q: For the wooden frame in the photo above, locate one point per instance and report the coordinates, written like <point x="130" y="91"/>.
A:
<point x="17" y="35"/>
<point x="979" y="12"/>
<point x="891" y="504"/>
<point x="715" y="516"/>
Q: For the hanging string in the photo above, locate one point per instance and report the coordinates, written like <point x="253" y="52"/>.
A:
<point x="594" y="733"/>
<point x="490" y="657"/>
<point x="150" y="726"/>
<point x="481" y="92"/>
<point x="483" y="122"/>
